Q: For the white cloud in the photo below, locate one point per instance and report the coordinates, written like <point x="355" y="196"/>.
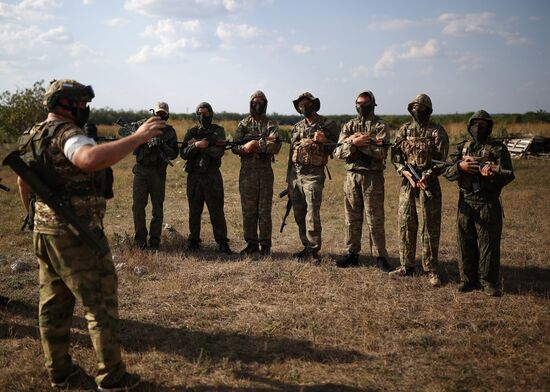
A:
<point x="412" y="50"/>
<point x="173" y="40"/>
<point x="392" y="24"/>
<point x="469" y="61"/>
<point x="482" y="23"/>
<point x="227" y="32"/>
<point x="188" y="9"/>
<point x="301" y="49"/>
<point x="116" y="22"/>
<point x="359" y="72"/>
<point x="29" y="10"/>
<point x="15" y="38"/>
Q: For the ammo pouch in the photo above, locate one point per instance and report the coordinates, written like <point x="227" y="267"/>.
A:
<point x="103" y="181"/>
<point x="419" y="151"/>
<point x="306" y="153"/>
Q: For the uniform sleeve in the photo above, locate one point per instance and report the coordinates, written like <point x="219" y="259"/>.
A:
<point x="239" y="134"/>
<point x="74" y="143"/>
<point x="451" y="171"/>
<point x="333" y="132"/>
<point x="170" y="145"/>
<point x="347" y="148"/>
<point x="440" y="153"/>
<point x="216" y="151"/>
<point x="271" y="147"/>
<point x="506" y="173"/>
<point x="188" y="151"/>
<point x="397" y="151"/>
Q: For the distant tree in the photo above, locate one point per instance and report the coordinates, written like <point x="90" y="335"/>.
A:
<point x="20" y="110"/>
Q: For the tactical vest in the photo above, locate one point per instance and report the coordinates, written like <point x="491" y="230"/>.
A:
<point x="475" y="182"/>
<point x="419" y="151"/>
<point x="305" y="151"/>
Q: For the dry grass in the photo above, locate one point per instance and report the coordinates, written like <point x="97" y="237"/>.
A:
<point x="211" y="323"/>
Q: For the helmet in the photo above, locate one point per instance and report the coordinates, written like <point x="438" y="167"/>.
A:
<point x="480" y="115"/>
<point x="162" y="107"/>
<point x="69" y="89"/>
<point x="308" y="95"/>
<point x="421" y="99"/>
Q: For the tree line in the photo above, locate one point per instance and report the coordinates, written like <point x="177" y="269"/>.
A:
<point x="22" y="108"/>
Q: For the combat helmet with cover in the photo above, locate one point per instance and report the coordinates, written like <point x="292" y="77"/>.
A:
<point x="421" y="99"/>
<point x="480" y="115"/>
<point x="74" y="92"/>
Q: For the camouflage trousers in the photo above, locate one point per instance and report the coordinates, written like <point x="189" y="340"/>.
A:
<point x="69" y="271"/>
<point x="148" y="181"/>
<point x="256" y="189"/>
<point x="206" y="187"/>
<point x="364" y="195"/>
<point x="306" y="194"/>
<point x="412" y="203"/>
<point x="479" y="232"/>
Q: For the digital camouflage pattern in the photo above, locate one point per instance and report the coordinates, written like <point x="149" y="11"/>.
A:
<point x="364" y="184"/>
<point x="204" y="181"/>
<point x="419" y="144"/>
<point x="256" y="175"/>
<point x="479" y="217"/>
<point x="306" y="181"/>
<point x="150" y="181"/>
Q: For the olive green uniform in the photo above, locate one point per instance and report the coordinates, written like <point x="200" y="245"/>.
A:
<point x="69" y="270"/>
<point x="150" y="181"/>
<point x="256" y="175"/>
<point x="479" y="216"/>
<point x="204" y="181"/>
<point x="306" y="177"/>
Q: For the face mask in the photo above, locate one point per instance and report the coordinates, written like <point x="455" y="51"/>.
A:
<point x="163" y="115"/>
<point x="306" y="110"/>
<point x="365" y="110"/>
<point x="480" y="130"/>
<point x="257" y="108"/>
<point x="204" y="120"/>
<point x="420" y="115"/>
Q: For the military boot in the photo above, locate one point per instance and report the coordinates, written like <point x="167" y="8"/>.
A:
<point x="491" y="290"/>
<point x="302" y="255"/>
<point x="349" y="260"/>
<point x="465" y="287"/>
<point x="265" y="250"/>
<point x="127" y="382"/>
<point x="193" y="245"/>
<point x="382" y="264"/>
<point x="224" y="248"/>
<point x="250" y="249"/>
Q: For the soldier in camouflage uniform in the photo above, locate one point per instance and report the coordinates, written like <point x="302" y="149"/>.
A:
<point x="256" y="175"/>
<point x="482" y="168"/>
<point x="69" y="269"/>
<point x="418" y="142"/>
<point x="306" y="171"/>
<point x="364" y="148"/>
<point x="203" y="147"/>
<point x="150" y="181"/>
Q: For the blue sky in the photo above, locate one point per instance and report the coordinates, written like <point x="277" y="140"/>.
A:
<point x="466" y="55"/>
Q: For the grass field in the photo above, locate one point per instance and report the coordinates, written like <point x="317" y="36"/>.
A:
<point x="211" y="323"/>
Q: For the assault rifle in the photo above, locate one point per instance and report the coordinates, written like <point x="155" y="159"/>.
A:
<point x="3" y="187"/>
<point x="410" y="168"/>
<point x="156" y="142"/>
<point x="248" y="138"/>
<point x="288" y="208"/>
<point x="34" y="177"/>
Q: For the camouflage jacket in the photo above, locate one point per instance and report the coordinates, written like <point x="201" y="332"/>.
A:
<point x="264" y="128"/>
<point x="489" y="188"/>
<point x="433" y="135"/>
<point x="150" y="155"/>
<point x="369" y="157"/>
<point x="203" y="159"/>
<point x="79" y="188"/>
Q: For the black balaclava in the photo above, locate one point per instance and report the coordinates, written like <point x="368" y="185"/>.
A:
<point x="480" y="130"/>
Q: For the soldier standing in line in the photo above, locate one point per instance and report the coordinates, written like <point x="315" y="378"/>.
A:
<point x="69" y="269"/>
<point x="365" y="141"/>
<point x="482" y="167"/>
<point x="203" y="147"/>
<point x="306" y="171"/>
<point x="150" y="181"/>
<point x="417" y="143"/>
<point x="256" y="175"/>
